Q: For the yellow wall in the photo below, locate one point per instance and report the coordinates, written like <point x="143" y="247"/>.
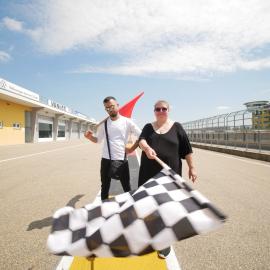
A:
<point x="261" y="121"/>
<point x="12" y="113"/>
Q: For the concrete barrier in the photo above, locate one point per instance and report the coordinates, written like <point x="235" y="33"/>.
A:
<point x="248" y="153"/>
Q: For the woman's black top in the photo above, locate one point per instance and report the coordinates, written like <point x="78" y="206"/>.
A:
<point x="170" y="147"/>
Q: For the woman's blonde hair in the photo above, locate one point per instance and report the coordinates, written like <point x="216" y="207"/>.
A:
<point x="164" y="102"/>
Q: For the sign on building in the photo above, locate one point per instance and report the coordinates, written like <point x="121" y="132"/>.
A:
<point x="18" y="90"/>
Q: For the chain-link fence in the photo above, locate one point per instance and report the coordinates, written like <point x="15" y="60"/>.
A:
<point x="246" y="129"/>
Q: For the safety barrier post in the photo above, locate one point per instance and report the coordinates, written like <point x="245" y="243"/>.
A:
<point x="259" y="140"/>
<point x="246" y="140"/>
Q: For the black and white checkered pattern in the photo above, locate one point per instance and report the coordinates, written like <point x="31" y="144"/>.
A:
<point x="162" y="211"/>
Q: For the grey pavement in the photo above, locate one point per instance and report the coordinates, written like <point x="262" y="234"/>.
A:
<point x="37" y="179"/>
<point x="241" y="188"/>
<point x="32" y="188"/>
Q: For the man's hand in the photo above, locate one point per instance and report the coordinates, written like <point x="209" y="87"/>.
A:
<point x="131" y="147"/>
<point x="88" y="134"/>
<point x="128" y="150"/>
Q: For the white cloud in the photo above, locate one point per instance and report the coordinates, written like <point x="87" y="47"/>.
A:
<point x="12" y="24"/>
<point x="157" y="37"/>
<point x="255" y="64"/>
<point x="222" y="108"/>
<point x="4" y="57"/>
<point x="266" y="91"/>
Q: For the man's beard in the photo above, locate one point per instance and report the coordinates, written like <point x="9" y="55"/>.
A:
<point x="113" y="115"/>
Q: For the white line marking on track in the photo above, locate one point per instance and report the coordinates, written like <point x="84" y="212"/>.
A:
<point x="172" y="262"/>
<point x="65" y="263"/>
<point x="232" y="157"/>
<point x="138" y="158"/>
<point x="40" y="153"/>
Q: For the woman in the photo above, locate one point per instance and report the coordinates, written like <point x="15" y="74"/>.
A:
<point x="167" y="140"/>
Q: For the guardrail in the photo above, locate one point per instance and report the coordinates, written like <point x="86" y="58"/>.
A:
<point x="245" y="129"/>
<point x="247" y="139"/>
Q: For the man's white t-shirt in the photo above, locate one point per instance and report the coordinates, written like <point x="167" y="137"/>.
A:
<point x="118" y="132"/>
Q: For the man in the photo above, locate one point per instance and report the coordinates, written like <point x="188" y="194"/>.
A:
<point x="119" y="128"/>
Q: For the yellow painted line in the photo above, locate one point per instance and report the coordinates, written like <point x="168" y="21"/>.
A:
<point x="146" y="262"/>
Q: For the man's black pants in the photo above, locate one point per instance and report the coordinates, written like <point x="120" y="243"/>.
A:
<point x="106" y="180"/>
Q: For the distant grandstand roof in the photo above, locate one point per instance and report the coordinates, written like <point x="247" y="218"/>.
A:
<point x="256" y="104"/>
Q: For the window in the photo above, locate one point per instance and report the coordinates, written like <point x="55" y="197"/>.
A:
<point x="16" y="125"/>
<point x="45" y="130"/>
<point x="75" y="127"/>
<point x="61" y="131"/>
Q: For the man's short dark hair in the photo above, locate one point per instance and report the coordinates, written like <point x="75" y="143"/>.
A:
<point x="107" y="99"/>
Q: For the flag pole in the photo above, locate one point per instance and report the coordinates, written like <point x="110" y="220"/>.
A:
<point x="125" y="110"/>
<point x="101" y="122"/>
<point x="163" y="164"/>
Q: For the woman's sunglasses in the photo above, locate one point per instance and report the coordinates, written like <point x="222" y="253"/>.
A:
<point x="162" y="109"/>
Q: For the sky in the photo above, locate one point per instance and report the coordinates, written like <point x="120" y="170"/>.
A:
<point x="204" y="57"/>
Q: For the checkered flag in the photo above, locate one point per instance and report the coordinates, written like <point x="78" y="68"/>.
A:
<point x="162" y="211"/>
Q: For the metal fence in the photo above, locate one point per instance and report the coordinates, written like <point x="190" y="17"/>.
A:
<point x="235" y="129"/>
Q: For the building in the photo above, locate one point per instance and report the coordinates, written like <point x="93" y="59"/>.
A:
<point x="260" y="114"/>
<point x="26" y="117"/>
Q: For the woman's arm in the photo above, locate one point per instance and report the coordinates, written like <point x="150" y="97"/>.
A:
<point x="191" y="170"/>
<point x="150" y="152"/>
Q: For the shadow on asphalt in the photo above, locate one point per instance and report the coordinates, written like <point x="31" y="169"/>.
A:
<point x="116" y="188"/>
<point x="46" y="222"/>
